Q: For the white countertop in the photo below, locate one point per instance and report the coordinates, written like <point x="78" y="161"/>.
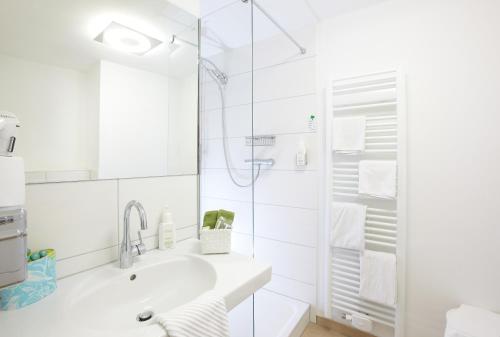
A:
<point x="237" y="277"/>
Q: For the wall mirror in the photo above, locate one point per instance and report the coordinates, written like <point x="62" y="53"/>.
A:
<point x="102" y="89"/>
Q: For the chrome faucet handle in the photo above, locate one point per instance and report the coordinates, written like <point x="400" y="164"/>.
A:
<point x="141" y="247"/>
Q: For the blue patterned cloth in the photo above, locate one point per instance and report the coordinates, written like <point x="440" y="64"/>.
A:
<point x="41" y="282"/>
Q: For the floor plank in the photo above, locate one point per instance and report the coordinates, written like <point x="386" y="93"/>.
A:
<point x="313" y="330"/>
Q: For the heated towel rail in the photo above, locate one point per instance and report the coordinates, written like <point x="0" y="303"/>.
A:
<point x="380" y="98"/>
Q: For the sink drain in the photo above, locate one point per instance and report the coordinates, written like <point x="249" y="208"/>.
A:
<point x="145" y="316"/>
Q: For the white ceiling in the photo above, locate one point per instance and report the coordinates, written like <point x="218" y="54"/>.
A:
<point x="230" y="20"/>
<point x="61" y="32"/>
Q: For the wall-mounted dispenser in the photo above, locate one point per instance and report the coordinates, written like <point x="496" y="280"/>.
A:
<point x="301" y="156"/>
<point x="12" y="197"/>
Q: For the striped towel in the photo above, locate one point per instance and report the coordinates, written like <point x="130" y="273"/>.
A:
<point x="206" y="316"/>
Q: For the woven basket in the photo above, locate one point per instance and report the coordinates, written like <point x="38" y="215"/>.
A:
<point x="215" y="241"/>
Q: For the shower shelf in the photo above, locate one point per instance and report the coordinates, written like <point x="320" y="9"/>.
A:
<point x="263" y="140"/>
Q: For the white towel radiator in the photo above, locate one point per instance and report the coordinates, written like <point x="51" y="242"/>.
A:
<point x="380" y="97"/>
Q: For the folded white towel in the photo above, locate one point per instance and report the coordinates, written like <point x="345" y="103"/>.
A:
<point x="378" y="277"/>
<point x="470" y="321"/>
<point x="348" y="226"/>
<point x="377" y="178"/>
<point x="349" y="134"/>
<point x="206" y="316"/>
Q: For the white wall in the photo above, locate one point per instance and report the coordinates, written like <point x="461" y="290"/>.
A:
<point x="450" y="53"/>
<point x="133" y="122"/>
<point x="83" y="221"/>
<point x="43" y="96"/>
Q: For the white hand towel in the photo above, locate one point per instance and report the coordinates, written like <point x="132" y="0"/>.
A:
<point x="348" y="226"/>
<point x="472" y="321"/>
<point x="206" y="316"/>
<point x="349" y="134"/>
<point x="378" y="277"/>
<point x="377" y="178"/>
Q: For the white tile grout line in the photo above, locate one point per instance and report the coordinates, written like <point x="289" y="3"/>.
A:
<point x="115" y="246"/>
<point x="264" y="67"/>
<point x="113" y="179"/>
<point x="284" y="295"/>
<point x="277" y="240"/>
<point x="274" y="134"/>
<point x="271" y="100"/>
<point x="263" y="170"/>
<point x="261" y="203"/>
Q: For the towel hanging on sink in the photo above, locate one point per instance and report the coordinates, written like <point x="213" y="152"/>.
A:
<point x="205" y="316"/>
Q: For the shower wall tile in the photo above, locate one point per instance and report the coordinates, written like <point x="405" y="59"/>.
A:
<point x="238" y="122"/>
<point x="288" y="224"/>
<point x="298" y="290"/>
<point x="285" y="80"/>
<point x="288" y="260"/>
<point x="242" y="244"/>
<point x="238" y="152"/>
<point x="238" y="91"/>
<point x="215" y="183"/>
<point x="283" y="116"/>
<point x="285" y="188"/>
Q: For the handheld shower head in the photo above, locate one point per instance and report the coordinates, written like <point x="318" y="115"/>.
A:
<point x="217" y="75"/>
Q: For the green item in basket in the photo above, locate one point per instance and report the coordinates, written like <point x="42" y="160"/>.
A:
<point x="35" y="256"/>
<point x="227" y="215"/>
<point x="210" y="219"/>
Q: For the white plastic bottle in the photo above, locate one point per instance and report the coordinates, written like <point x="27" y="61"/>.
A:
<point x="301" y="156"/>
<point x="166" y="230"/>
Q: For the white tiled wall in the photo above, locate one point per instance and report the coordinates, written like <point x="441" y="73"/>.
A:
<point x="82" y="220"/>
<point x="285" y="208"/>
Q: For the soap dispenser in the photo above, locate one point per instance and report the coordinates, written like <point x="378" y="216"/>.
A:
<point x="301" y="156"/>
<point x="166" y="236"/>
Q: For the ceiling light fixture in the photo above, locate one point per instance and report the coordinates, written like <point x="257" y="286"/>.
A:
<point x="126" y="39"/>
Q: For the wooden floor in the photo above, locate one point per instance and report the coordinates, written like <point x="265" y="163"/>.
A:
<point x="314" y="330"/>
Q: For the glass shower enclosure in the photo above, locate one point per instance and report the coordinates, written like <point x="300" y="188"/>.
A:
<point x="253" y="114"/>
<point x="227" y="173"/>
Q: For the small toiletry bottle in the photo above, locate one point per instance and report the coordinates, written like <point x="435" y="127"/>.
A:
<point x="312" y="123"/>
<point x="166" y="230"/>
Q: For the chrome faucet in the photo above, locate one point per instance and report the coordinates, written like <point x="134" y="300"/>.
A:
<point x="128" y="250"/>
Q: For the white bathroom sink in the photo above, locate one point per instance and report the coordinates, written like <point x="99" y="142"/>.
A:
<point x="149" y="289"/>
<point x="107" y="300"/>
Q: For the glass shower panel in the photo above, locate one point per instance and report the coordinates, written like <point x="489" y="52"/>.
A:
<point x="285" y="195"/>
<point x="226" y="130"/>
